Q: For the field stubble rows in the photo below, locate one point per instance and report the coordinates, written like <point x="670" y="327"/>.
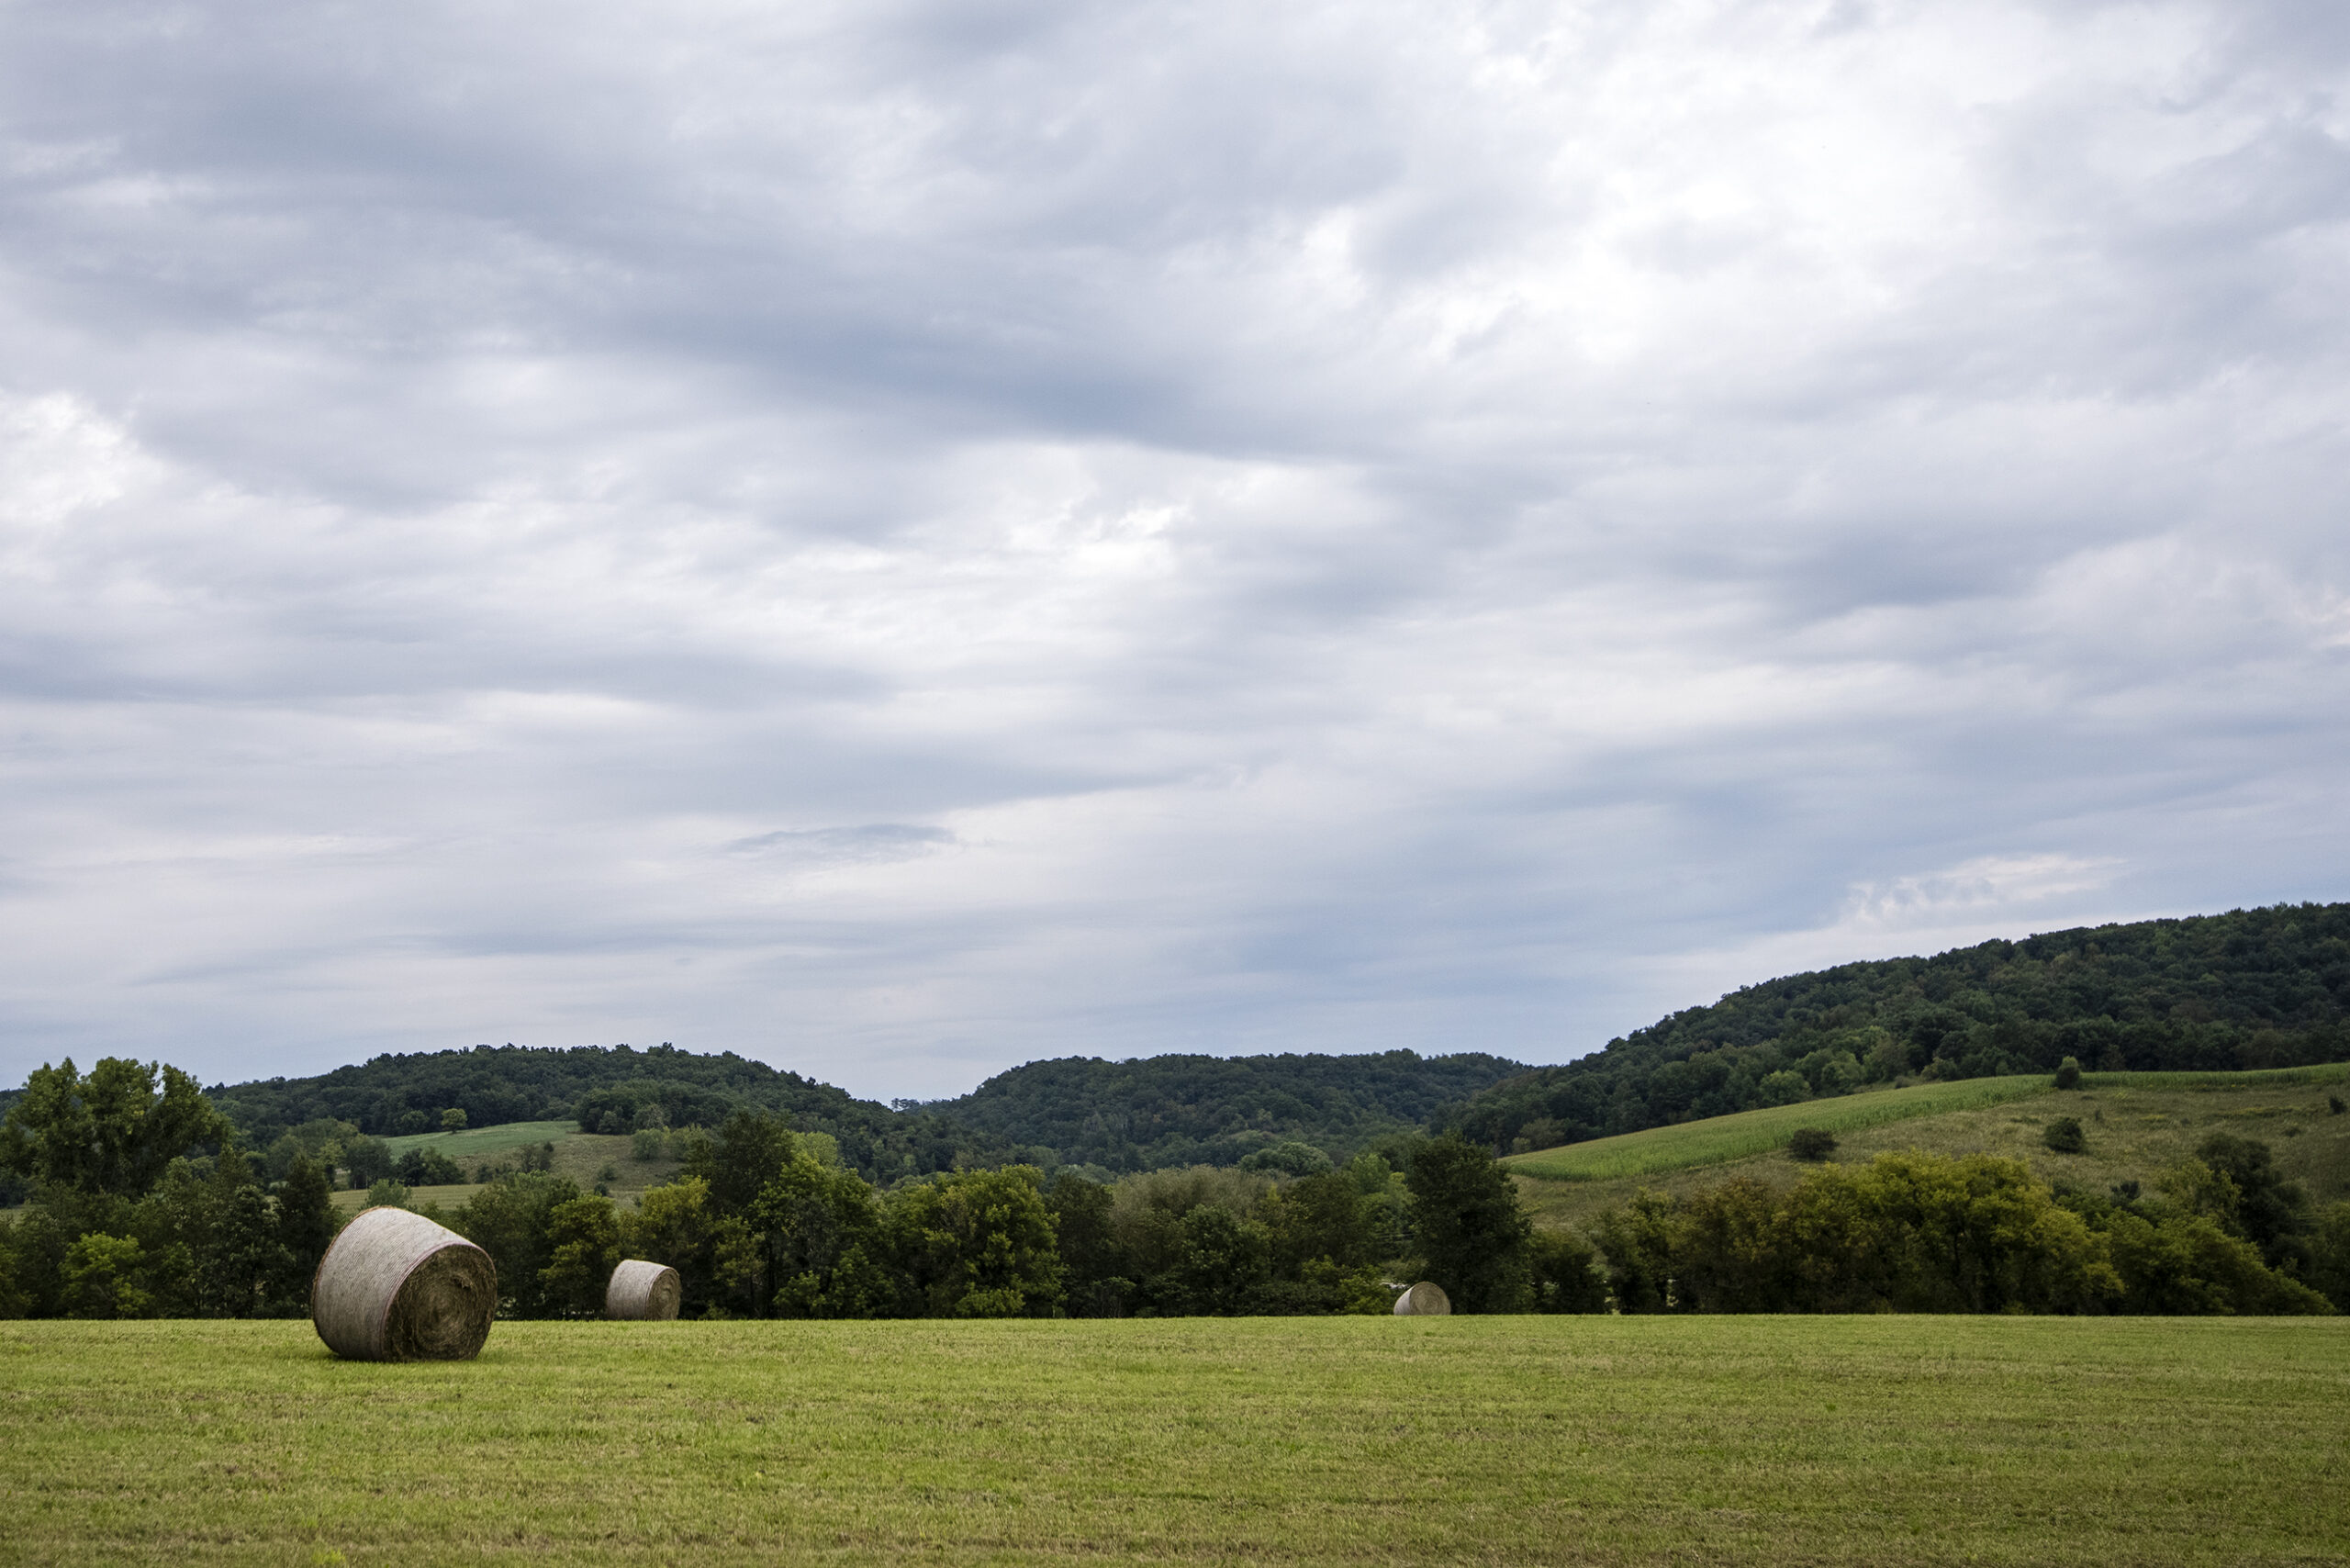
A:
<point x="1342" y="1441"/>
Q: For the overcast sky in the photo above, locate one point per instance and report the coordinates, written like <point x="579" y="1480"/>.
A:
<point x="901" y="538"/>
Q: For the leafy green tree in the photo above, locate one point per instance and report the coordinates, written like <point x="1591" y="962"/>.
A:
<point x="1290" y="1157"/>
<point x="822" y="1244"/>
<point x="582" y="1246"/>
<point x="369" y="1160"/>
<point x="2068" y="1073"/>
<point x="511" y="1219"/>
<point x="242" y="1258"/>
<point x="1469" y="1227"/>
<point x="1221" y="1264"/>
<point x="305" y="1229"/>
<point x="427" y="1168"/>
<point x="452" y="1120"/>
<point x="677" y="1224"/>
<point x="14" y="1303"/>
<point x="1325" y="1217"/>
<point x="102" y="1278"/>
<point x="1095" y="1271"/>
<point x="114" y="1131"/>
<point x="2330" y="1255"/>
<point x="2267" y="1211"/>
<point x="1568" y="1276"/>
<point x="979" y="1244"/>
<point x="2185" y="1265"/>
<point x="749" y="1151"/>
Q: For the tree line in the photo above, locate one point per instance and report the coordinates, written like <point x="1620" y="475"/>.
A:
<point x="2222" y="1235"/>
<point x="146" y="1205"/>
<point x="2258" y="987"/>
<point x="617" y="1089"/>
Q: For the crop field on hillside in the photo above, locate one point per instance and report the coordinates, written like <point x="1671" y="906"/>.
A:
<point x="1719" y="1138"/>
<point x="1497" y="1440"/>
<point x="2137" y="1125"/>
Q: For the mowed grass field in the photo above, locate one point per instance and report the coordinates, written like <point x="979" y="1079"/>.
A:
<point x="2137" y="1124"/>
<point x="1500" y="1441"/>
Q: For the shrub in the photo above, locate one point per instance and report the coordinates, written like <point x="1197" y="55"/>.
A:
<point x="2068" y="1073"/>
<point x="649" y="1143"/>
<point x="1291" y="1158"/>
<point x="388" y="1191"/>
<point x="2065" y="1135"/>
<point x="2333" y="1104"/>
<point x="1811" y="1145"/>
<point x="427" y="1168"/>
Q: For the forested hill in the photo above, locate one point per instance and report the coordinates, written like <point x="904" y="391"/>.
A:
<point x="2248" y="989"/>
<point x="1158" y="1112"/>
<point x="612" y="1090"/>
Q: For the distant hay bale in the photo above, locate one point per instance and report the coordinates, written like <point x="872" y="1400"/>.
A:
<point x="642" y="1292"/>
<point x="397" y="1287"/>
<point x="1425" y="1299"/>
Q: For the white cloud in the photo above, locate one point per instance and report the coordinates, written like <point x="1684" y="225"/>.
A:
<point x="900" y="539"/>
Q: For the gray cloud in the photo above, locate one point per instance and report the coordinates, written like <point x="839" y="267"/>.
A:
<point x="900" y="539"/>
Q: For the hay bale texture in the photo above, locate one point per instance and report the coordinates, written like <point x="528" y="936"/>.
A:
<point x="643" y="1291"/>
<point x="1425" y="1299"/>
<point x="397" y="1287"/>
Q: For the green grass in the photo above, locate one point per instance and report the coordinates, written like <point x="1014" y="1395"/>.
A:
<point x="1718" y="1139"/>
<point x="1503" y="1441"/>
<point x="487" y="1143"/>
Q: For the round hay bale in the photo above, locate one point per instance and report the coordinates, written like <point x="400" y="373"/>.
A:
<point x="397" y="1287"/>
<point x="643" y="1291"/>
<point x="1425" y="1299"/>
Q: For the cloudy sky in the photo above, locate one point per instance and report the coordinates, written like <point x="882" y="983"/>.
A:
<point x="903" y="536"/>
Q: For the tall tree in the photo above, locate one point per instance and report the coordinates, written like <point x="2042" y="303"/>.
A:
<point x="1472" y="1232"/>
<point x="114" y="1131"/>
<point x="980" y="1244"/>
<point x="306" y="1227"/>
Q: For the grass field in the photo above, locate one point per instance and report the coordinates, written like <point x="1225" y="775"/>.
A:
<point x="2138" y="1125"/>
<point x="1507" y="1441"/>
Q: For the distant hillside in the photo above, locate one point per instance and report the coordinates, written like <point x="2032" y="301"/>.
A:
<point x="1194" y="1110"/>
<point x="606" y="1089"/>
<point x="2257" y="987"/>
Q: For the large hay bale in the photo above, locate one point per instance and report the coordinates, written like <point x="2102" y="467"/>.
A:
<point x="1425" y="1299"/>
<point x="643" y="1291"/>
<point x="397" y="1287"/>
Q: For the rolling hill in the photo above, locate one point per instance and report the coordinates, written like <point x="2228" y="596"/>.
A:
<point x="1156" y="1111"/>
<point x="2263" y="988"/>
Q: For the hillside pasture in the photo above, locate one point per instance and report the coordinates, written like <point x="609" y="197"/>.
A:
<point x="1503" y="1442"/>
<point x="578" y="1155"/>
<point x="2138" y="1125"/>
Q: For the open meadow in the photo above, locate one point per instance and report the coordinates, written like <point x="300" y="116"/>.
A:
<point x="1502" y="1440"/>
